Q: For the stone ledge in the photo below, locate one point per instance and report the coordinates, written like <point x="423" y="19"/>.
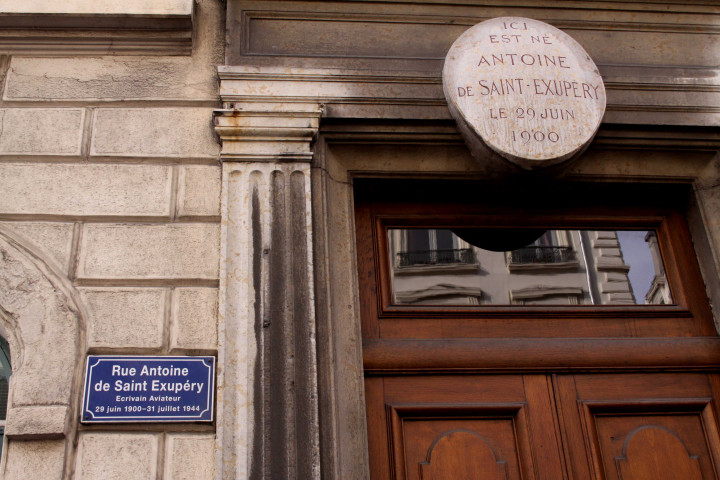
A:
<point x="132" y="27"/>
<point x="33" y="423"/>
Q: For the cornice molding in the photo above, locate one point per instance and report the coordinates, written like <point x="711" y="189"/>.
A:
<point x="636" y="96"/>
<point x="46" y="28"/>
<point x="273" y="132"/>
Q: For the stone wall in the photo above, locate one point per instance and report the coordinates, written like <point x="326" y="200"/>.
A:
<point x="109" y="176"/>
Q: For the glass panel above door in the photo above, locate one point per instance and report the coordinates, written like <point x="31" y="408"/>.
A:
<point x="515" y="266"/>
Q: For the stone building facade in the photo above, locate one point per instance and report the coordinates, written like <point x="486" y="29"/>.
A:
<point x="180" y="177"/>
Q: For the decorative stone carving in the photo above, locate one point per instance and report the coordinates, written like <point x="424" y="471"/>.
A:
<point x="45" y="329"/>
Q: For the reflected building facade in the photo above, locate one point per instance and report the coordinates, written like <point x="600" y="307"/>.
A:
<point x="560" y="267"/>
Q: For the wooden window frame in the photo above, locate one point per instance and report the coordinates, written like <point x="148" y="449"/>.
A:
<point x="426" y="332"/>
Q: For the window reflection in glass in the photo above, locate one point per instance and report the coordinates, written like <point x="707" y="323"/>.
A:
<point x="5" y="372"/>
<point x="554" y="267"/>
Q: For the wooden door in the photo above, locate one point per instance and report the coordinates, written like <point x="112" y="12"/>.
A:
<point x="536" y="392"/>
<point x="493" y="427"/>
<point x="590" y="426"/>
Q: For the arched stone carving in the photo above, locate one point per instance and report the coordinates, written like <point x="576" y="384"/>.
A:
<point x="45" y="328"/>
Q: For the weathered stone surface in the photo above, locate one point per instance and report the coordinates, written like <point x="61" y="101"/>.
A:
<point x="125" y="77"/>
<point x="37" y="421"/>
<point x="154" y="132"/>
<point x="684" y="39"/>
<point x="126" y="7"/>
<point x="267" y="324"/>
<point x="194" y="313"/>
<point x="33" y="460"/>
<point x="181" y="250"/>
<point x="190" y="457"/>
<point x="61" y="189"/>
<point x="53" y="239"/>
<point x="47" y="28"/>
<point x="35" y="131"/>
<point x="125" y="317"/>
<point x="199" y="192"/>
<point x="118" y="456"/>
<point x="268" y="131"/>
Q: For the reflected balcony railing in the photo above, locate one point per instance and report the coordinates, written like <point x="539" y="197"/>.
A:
<point x="436" y="257"/>
<point x="550" y="254"/>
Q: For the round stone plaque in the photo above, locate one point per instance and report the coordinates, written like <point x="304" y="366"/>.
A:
<point x="523" y="89"/>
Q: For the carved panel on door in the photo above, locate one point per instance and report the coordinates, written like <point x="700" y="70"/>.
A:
<point x="462" y="455"/>
<point x="463" y="448"/>
<point x="654" y="452"/>
<point x="462" y="427"/>
<point x="654" y="445"/>
<point x="641" y="427"/>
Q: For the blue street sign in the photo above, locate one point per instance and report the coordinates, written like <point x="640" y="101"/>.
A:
<point x="123" y="388"/>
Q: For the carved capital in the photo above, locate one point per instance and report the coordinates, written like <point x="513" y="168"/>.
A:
<point x="268" y="132"/>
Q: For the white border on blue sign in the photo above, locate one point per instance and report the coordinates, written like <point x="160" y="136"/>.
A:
<point x="148" y="418"/>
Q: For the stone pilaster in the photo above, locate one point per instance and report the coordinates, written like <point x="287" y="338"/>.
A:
<point x="267" y="381"/>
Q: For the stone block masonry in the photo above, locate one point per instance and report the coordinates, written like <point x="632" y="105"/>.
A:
<point x="182" y="455"/>
<point x="113" y="456"/>
<point x="179" y="251"/>
<point x="125" y="317"/>
<point x="110" y="180"/>
<point x="194" y="316"/>
<point x="41" y="131"/>
<point x="86" y="189"/>
<point x="153" y="132"/>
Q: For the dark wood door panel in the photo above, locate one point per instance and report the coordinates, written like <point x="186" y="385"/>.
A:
<point x="653" y="446"/>
<point x="640" y="426"/>
<point x="441" y="448"/>
<point x="439" y="427"/>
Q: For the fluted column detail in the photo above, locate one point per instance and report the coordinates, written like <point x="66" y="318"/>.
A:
<point x="267" y="396"/>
